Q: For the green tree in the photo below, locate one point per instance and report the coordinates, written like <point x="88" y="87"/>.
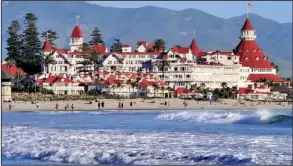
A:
<point x="94" y="57"/>
<point x="14" y="43"/>
<point x="159" y="45"/>
<point x="275" y="66"/>
<point x="116" y="46"/>
<point x="31" y="46"/>
<point x="162" y="66"/>
<point x="52" y="36"/>
<point x="83" y="66"/>
<point x="48" y="59"/>
<point x="96" y="37"/>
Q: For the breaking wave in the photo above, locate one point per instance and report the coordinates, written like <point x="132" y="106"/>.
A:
<point x="258" y="117"/>
<point x="121" y="147"/>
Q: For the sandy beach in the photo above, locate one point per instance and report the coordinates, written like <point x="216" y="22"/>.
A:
<point x="140" y="104"/>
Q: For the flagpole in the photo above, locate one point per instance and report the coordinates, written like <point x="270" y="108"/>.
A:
<point x="247" y="11"/>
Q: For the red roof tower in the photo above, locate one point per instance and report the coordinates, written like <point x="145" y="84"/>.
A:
<point x="251" y="55"/>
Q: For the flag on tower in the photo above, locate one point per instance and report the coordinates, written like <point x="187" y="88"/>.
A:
<point x="249" y="5"/>
<point x="48" y="35"/>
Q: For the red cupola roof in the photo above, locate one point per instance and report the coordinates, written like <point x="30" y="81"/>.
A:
<point x="194" y="47"/>
<point x="247" y="25"/>
<point x="76" y="33"/>
<point x="47" y="46"/>
<point x="251" y="55"/>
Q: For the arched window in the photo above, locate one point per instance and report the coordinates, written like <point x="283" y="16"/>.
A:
<point x="246" y="50"/>
<point x="253" y="50"/>
<point x="246" y="58"/>
<point x="257" y="58"/>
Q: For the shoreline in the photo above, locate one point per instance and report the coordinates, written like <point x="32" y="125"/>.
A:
<point x="144" y="105"/>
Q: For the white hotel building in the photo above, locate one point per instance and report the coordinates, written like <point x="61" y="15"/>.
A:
<point x="188" y="65"/>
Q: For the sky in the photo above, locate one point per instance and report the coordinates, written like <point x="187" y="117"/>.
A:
<point x="280" y="11"/>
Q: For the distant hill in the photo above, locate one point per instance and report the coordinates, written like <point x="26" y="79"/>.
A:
<point x="148" y="23"/>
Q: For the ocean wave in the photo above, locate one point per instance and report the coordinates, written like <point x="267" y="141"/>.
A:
<point x="257" y="117"/>
<point x="122" y="147"/>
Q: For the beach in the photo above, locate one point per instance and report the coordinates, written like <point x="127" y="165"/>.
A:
<point x="148" y="104"/>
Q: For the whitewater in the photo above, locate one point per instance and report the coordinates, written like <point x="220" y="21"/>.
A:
<point x="148" y="137"/>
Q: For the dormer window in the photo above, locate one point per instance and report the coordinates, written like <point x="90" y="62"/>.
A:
<point x="265" y="58"/>
<point x="246" y="59"/>
<point x="257" y="58"/>
<point x="253" y="50"/>
<point x="259" y="50"/>
<point x="246" y="50"/>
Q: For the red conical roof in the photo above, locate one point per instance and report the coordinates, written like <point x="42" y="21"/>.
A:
<point x="194" y="47"/>
<point x="247" y="25"/>
<point x="76" y="33"/>
<point x="251" y="55"/>
<point x="47" y="46"/>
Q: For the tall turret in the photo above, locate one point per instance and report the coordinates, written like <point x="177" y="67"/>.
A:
<point x="247" y="31"/>
<point x="76" y="39"/>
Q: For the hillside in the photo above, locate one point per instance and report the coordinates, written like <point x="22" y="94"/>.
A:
<point x="148" y="23"/>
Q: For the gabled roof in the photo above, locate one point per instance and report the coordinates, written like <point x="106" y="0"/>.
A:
<point x="76" y="32"/>
<point x="180" y="50"/>
<point x="100" y="48"/>
<point x="269" y="77"/>
<point x="53" y="79"/>
<point x="126" y="45"/>
<point x="47" y="46"/>
<point x="12" y="70"/>
<point x="247" y="25"/>
<point x="194" y="47"/>
<point x="141" y="43"/>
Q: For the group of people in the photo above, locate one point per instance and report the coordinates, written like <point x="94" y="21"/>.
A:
<point x="100" y="104"/>
<point x="66" y="108"/>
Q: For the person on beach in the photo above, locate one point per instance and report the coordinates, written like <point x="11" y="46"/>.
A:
<point x="56" y="107"/>
<point x="122" y="105"/>
<point x="10" y="107"/>
<point x="72" y="107"/>
<point x="165" y="103"/>
<point x="119" y="104"/>
<point x="130" y="103"/>
<point x="37" y="103"/>
<point x="168" y="103"/>
<point x="102" y="104"/>
<point x="65" y="108"/>
<point x="99" y="105"/>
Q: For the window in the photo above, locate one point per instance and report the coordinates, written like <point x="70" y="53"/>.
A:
<point x="109" y="62"/>
<point x="229" y="58"/>
<point x="175" y="68"/>
<point x="257" y="58"/>
<point x="246" y="59"/>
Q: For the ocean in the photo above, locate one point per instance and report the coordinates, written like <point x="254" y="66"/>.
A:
<point x="148" y="137"/>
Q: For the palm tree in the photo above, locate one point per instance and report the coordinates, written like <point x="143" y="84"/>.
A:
<point x="275" y="66"/>
<point x="128" y="82"/>
<point x="234" y="89"/>
<point x="224" y="85"/>
<point x="10" y="63"/>
<point x="159" y="45"/>
<point x="156" y="87"/>
<point x="202" y="86"/>
<point x="119" y="85"/>
<point x="133" y="85"/>
<point x="163" y="89"/>
<point x="17" y="77"/>
<point x="48" y="59"/>
<point x="162" y="65"/>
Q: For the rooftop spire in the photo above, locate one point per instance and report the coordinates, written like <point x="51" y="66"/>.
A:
<point x="77" y="17"/>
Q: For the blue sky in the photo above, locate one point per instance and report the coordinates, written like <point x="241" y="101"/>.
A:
<point x="280" y="11"/>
